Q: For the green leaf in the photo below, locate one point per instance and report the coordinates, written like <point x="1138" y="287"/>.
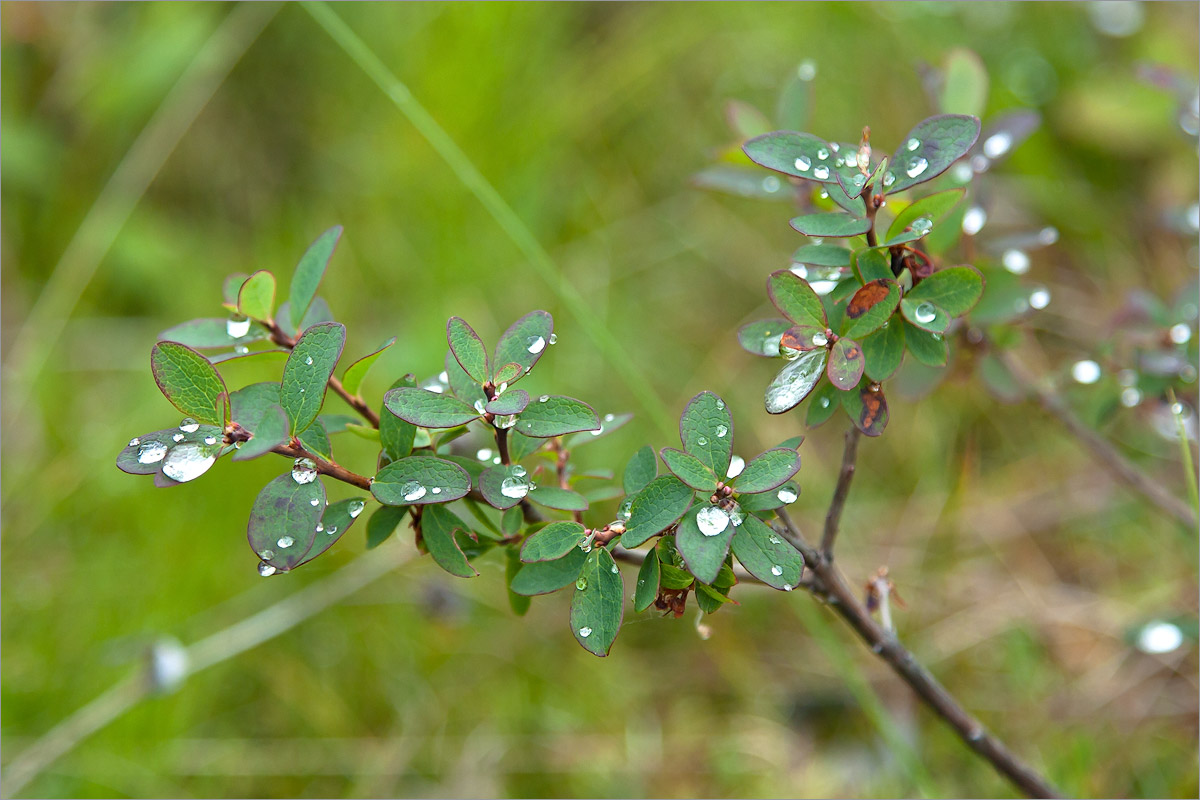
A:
<point x="554" y="415"/>
<point x="353" y="376"/>
<point x="336" y="520"/>
<point x="251" y="403"/>
<point x="928" y="348"/>
<point x="187" y="379"/>
<point x="854" y="205"/>
<point x="768" y="501"/>
<point x="560" y="499"/>
<point x="743" y="182"/>
<point x="256" y="298"/>
<point x="396" y="435"/>
<point x="438" y="525"/>
<point x="646" y="591"/>
<point x="822" y="255"/>
<point x="641" y="469"/>
<point x="494" y="481"/>
<point x="925" y="315"/>
<point x="657" y="507"/>
<point x="543" y="577"/>
<point x="210" y="334"/>
<point x="318" y="312"/>
<point x="956" y="290"/>
<point x="553" y="541"/>
<point x="767" y="471"/>
<point x="428" y="409"/>
<point x="308" y="274"/>
<point x="341" y="423"/>
<point x="511" y="521"/>
<point x="800" y="155"/>
<point x="270" y="431"/>
<point x="382" y="523"/>
<point x="315" y="440"/>
<point x="419" y="480"/>
<point x="512" y="565"/>
<point x="795" y="381"/>
<point x="846" y="364"/>
<point x="792" y="295"/>
<point x="867" y="409"/>
<point x="792" y="108"/>
<point x="940" y="141"/>
<point x="689" y="469"/>
<point x="709" y="599"/>
<point x="824" y="404"/>
<point x="932" y="208"/>
<point x="597" y="606"/>
<point x="964" y="83"/>
<point x="230" y="288"/>
<point x="523" y="343"/>
<point x="704" y="554"/>
<point x="513" y="401"/>
<point x="871" y="307"/>
<point x="883" y="351"/>
<point x="508" y="373"/>
<point x="871" y="264"/>
<point x="608" y="424"/>
<point x="762" y="338"/>
<point x="831" y="226"/>
<point x="146" y="454"/>
<point x="468" y="350"/>
<point x="463" y="386"/>
<point x="283" y="521"/>
<point x="706" y="429"/>
<point x="307" y="371"/>
<point x="766" y="555"/>
<point x="521" y="447"/>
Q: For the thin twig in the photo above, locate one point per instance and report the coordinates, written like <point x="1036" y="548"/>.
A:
<point x="834" y="516"/>
<point x="329" y="468"/>
<point x="831" y="584"/>
<point x="1108" y="456"/>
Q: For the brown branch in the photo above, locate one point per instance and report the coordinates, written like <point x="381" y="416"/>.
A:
<point x="829" y="582"/>
<point x="1108" y="456"/>
<point x="834" y="516"/>
<point x="335" y="471"/>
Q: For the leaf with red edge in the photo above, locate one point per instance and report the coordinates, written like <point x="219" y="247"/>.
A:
<point x="804" y="337"/>
<point x="846" y="364"/>
<point x="870" y="307"/>
<point x="867" y="408"/>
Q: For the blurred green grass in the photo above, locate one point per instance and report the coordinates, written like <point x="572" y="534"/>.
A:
<point x="1022" y="565"/>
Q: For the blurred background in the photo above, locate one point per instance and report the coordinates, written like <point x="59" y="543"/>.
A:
<point x="1054" y="603"/>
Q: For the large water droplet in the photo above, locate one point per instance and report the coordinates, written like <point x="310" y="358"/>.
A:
<point x="912" y="144"/>
<point x="188" y="461"/>
<point x="626" y="509"/>
<point x="412" y="490"/>
<point x="267" y="554"/>
<point x="189" y="425"/>
<point x="285" y="542"/>
<point x="535" y="344"/>
<point x="519" y="471"/>
<point x="266" y="570"/>
<point x="514" y="488"/>
<point x="504" y="422"/>
<point x="889" y="178"/>
<point x="921" y="226"/>
<point x="776" y="570"/>
<point x="237" y="328"/>
<point x="210" y="440"/>
<point x="543" y="398"/>
<point x="736" y="465"/>
<point x="1086" y="371"/>
<point x="997" y="144"/>
<point x="702" y="441"/>
<point x="916" y="167"/>
<point x="304" y="470"/>
<point x="712" y="520"/>
<point x="151" y="453"/>
<point x="554" y="338"/>
<point x="356" y="507"/>
<point x="736" y="515"/>
<point x="615" y="570"/>
<point x="585" y="631"/>
<point x="1015" y="261"/>
<point x="925" y="313"/>
<point x="821" y="172"/>
<point x="787" y="494"/>
<point x="803" y="163"/>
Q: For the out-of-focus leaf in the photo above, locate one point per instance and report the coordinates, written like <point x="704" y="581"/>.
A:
<point x="256" y="298"/>
<point x="762" y="338"/>
<point x="822" y="255"/>
<point x="928" y="348"/>
<point x="795" y="381"/>
<point x="795" y="101"/>
<point x="353" y="376"/>
<point x="553" y="541"/>
<point x="315" y="440"/>
<point x="396" y="435"/>
<point x="230" y="288"/>
<point x="964" y="83"/>
<point x="283" y="521"/>
<point x="745" y="120"/>
<point x="307" y="371"/>
<point x="419" y="480"/>
<point x="646" y="591"/>
<point x="187" y="379"/>
<point x="766" y="555"/>
<point x="210" y="334"/>
<point x="308" y="274"/>
<point x="743" y="182"/>
<point x="512" y="565"/>
<point x="523" y="343"/>
<point x="513" y="401"/>
<point x="800" y="155"/>
<point x="597" y="606"/>
<point x="608" y="424"/>
<point x="554" y="415"/>
<point x="929" y="150"/>
<point x="382" y="523"/>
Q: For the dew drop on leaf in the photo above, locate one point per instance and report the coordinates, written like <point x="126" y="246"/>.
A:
<point x="316" y="501"/>
<point x="925" y="313"/>
<point x="614" y="569"/>
<point x="921" y="226"/>
<point x="702" y="441"/>
<point x="803" y="163"/>
<point x="912" y="144"/>
<point x="265" y="569"/>
<point x="543" y="398"/>
<point x="267" y="554"/>
<point x="889" y="178"/>
<point x="554" y="338"/>
<point x="178" y="437"/>
<point x="776" y="570"/>
<point x="304" y="470"/>
<point x="585" y="631"/>
<point x="285" y="541"/>
<point x="581" y="583"/>
<point x="535" y="344"/>
<point x="916" y="167"/>
<point x="151" y="453"/>
<point x="821" y="172"/>
<point x="736" y="465"/>
<point x="787" y="494"/>
<point x="412" y="490"/>
<point x="712" y="520"/>
<point x="189" y="425"/>
<point x="187" y="462"/>
<point x="237" y="328"/>
<point x="822" y="154"/>
<point x="514" y="488"/>
<point x="134" y="442"/>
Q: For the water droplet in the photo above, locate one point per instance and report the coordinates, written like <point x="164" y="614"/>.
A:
<point x="189" y="425"/>
<point x="436" y="490"/>
<point x="889" y="178"/>
<point x="787" y="587"/>
<point x="484" y="454"/>
<point x="285" y="542"/>
<point x="974" y="220"/>
<point x="535" y="344"/>
<point x="581" y="583"/>
<point x="1159" y="637"/>
<point x="824" y="195"/>
<point x="1181" y="333"/>
<point x="821" y="172"/>
<point x="151" y="453"/>
<point x="912" y="144"/>
<point x="789" y="353"/>
<point x="505" y="422"/>
<point x="266" y="570"/>
<point x="1086" y="371"/>
<point x="702" y="441"/>
<point x="435" y="388"/>
<point x="776" y="570"/>
<point x="736" y="515"/>
<point x="614" y="569"/>
<point x="554" y="338"/>
<point x="177" y="437"/>
<point x="304" y="470"/>
<point x="795" y="381"/>
<point x="807" y="70"/>
<point x="500" y="389"/>
<point x="412" y="490"/>
<point x="331" y="530"/>
<point x="1015" y="261"/>
<point x="1039" y="298"/>
<point x="838" y="162"/>
<point x="543" y="398"/>
<point x="301" y="390"/>
<point x="356" y="507"/>
<point x="921" y="226"/>
<point x="316" y="501"/>
<point x="925" y="313"/>
<point x="479" y="406"/>
<point x="803" y="163"/>
<point x="241" y="349"/>
<point x="519" y="471"/>
<point x="237" y="328"/>
<point x="585" y="631"/>
<point x="822" y="154"/>
<point x="134" y="442"/>
<point x="997" y="144"/>
<point x="188" y="461"/>
<point x="721" y="431"/>
<point x="210" y="440"/>
<point x="267" y="554"/>
<point x="860" y="179"/>
<point x="320" y="527"/>
<point x="787" y="494"/>
<point x="712" y="520"/>
<point x="1130" y="397"/>
<point x="773" y="539"/>
<point x="824" y="402"/>
<point x="514" y="488"/>
<point x="916" y="167"/>
<point x="626" y="509"/>
<point x="736" y="465"/>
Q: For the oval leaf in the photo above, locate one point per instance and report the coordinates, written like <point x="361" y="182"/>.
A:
<point x="210" y="334"/>
<point x="283" y="521"/>
<point x="543" y="577"/>
<point x="939" y="142"/>
<point x="308" y="274"/>
<point x="931" y="208"/>
<point x="383" y="523"/>
<point x="762" y="338"/>
<point x="438" y="526"/>
<point x="513" y="401"/>
<point x="307" y="372"/>
<point x="468" y="350"/>
<point x="144" y="455"/>
<point x="846" y="364"/>
<point x="557" y="498"/>
<point x="187" y="379"/>
<point x="831" y="226"/>
<point x="871" y="264"/>
<point x="554" y="415"/>
<point x="956" y="290"/>
<point x="256" y="298"/>
<point x="336" y="520"/>
<point x="418" y="480"/>
<point x="428" y="409"/>
<point x="503" y="486"/>
<point x="883" y="351"/>
<point x="704" y="544"/>
<point x="553" y="541"/>
<point x="822" y="255"/>
<point x="795" y="381"/>
<point x="804" y="338"/>
<point x="706" y="429"/>
<point x="656" y="508"/>
<point x="824" y="404"/>
<point x="792" y="295"/>
<point x="641" y="469"/>
<point x="522" y="344"/>
<point x="597" y="607"/>
<point x="928" y="348"/>
<point x="768" y="471"/>
<point x="269" y="431"/>
<point x="868" y="410"/>
<point x="689" y="469"/>
<point x="800" y="155"/>
<point x="925" y="315"/>
<point x="766" y="555"/>
<point x="646" y="591"/>
<point x="871" y="307"/>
